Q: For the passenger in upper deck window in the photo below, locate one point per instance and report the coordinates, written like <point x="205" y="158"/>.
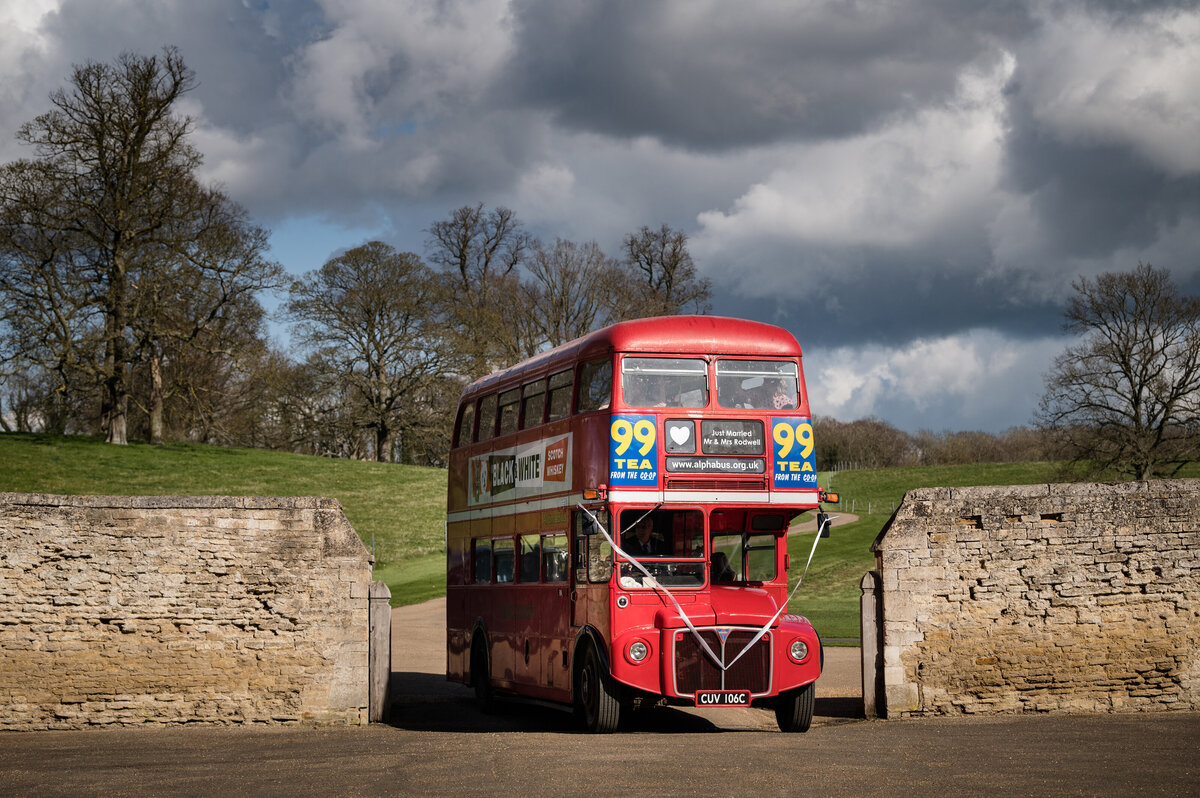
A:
<point x="650" y="391"/>
<point x="782" y="399"/>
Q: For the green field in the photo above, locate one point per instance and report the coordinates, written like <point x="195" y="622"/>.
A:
<point x="400" y="510"/>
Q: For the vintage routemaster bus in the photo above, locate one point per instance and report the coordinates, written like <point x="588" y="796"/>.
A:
<point x="617" y="523"/>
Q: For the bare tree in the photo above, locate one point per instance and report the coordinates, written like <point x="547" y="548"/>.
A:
<point x="194" y="293"/>
<point x="478" y="252"/>
<point x="51" y="323"/>
<point x="866" y="443"/>
<point x="661" y="277"/>
<point x="566" y="290"/>
<point x="1126" y="398"/>
<point x="111" y="155"/>
<point x="372" y="318"/>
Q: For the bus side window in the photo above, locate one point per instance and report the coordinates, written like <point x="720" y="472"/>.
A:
<point x="555" y="558"/>
<point x="481" y="556"/>
<point x="456" y="562"/>
<point x="595" y="386"/>
<point x="760" y="557"/>
<point x="560" y="394"/>
<point x="530" y="549"/>
<point x="466" y="425"/>
<point x="487" y="418"/>
<point x="503" y="553"/>
<point x="509" y="401"/>
<point x="533" y="403"/>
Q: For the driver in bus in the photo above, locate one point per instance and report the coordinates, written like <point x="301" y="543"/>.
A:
<point x="642" y="542"/>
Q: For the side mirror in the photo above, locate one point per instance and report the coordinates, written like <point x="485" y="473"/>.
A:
<point x="826" y="496"/>
<point x="823" y="524"/>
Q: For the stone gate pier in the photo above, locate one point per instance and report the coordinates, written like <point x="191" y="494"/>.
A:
<point x="1045" y="598"/>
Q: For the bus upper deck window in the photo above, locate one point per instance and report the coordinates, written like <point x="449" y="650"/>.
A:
<point x="664" y="382"/>
<point x="509" y="402"/>
<point x="560" y="394"/>
<point x="466" y="424"/>
<point x="533" y="404"/>
<point x="758" y="384"/>
<point x="487" y="418"/>
<point x="595" y="386"/>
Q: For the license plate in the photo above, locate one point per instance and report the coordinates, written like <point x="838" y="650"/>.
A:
<point x="723" y="698"/>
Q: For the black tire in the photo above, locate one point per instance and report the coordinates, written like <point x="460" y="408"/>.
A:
<point x="481" y="679"/>
<point x="794" y="709"/>
<point x="597" y="704"/>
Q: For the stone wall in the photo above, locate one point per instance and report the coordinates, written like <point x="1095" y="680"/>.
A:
<point x="130" y="610"/>
<point x="1048" y="598"/>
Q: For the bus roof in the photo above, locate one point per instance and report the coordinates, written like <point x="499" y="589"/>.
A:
<point x="699" y="335"/>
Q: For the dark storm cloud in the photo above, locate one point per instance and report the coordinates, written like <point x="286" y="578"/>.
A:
<point x="239" y="50"/>
<point x="1093" y="199"/>
<point x="738" y="74"/>
<point x="888" y="300"/>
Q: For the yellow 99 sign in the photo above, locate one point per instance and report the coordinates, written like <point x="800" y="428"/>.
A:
<point x="624" y="433"/>
<point x="633" y="450"/>
<point x="795" y="466"/>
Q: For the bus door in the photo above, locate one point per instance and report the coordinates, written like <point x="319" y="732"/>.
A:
<point x="592" y="572"/>
<point x="554" y="610"/>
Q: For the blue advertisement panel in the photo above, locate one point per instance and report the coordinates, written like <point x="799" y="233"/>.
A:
<point x="795" y="461"/>
<point x="633" y="451"/>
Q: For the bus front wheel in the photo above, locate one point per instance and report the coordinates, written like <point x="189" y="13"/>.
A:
<point x="794" y="709"/>
<point x="596" y="702"/>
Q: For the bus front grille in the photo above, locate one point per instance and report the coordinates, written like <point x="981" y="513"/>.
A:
<point x="695" y="670"/>
<point x="716" y="484"/>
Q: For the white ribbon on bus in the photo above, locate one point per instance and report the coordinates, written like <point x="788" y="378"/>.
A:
<point x="654" y="583"/>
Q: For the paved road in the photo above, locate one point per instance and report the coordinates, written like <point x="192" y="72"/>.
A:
<point x="438" y="744"/>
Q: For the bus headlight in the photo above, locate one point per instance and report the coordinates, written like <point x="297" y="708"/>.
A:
<point x="638" y="651"/>
<point x="798" y="650"/>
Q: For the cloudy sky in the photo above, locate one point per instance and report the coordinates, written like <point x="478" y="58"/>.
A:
<point x="909" y="187"/>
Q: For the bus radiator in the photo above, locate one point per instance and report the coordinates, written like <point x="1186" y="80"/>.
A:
<point x="694" y="670"/>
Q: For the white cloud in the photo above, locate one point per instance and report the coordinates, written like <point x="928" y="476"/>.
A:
<point x="23" y="46"/>
<point x="398" y="63"/>
<point x="917" y="180"/>
<point x="978" y="379"/>
<point x="1120" y="79"/>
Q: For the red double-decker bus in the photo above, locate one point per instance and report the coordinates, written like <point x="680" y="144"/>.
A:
<point x="617" y="523"/>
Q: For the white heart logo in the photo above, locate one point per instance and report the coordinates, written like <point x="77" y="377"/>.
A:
<point x="680" y="435"/>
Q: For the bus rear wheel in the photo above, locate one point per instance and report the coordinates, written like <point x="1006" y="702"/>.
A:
<point x="596" y="702"/>
<point x="481" y="679"/>
<point x="794" y="709"/>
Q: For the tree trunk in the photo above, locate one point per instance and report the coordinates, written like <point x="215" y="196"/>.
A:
<point x="156" y="398"/>
<point x="116" y="398"/>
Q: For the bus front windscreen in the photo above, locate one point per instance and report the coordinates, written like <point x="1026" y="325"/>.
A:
<point x="669" y="544"/>
<point x="757" y="384"/>
<point x="664" y="382"/>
